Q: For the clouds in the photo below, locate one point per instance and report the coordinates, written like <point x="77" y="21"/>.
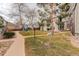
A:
<point x="32" y="5"/>
<point x="5" y="9"/>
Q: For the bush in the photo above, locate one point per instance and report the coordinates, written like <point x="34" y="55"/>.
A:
<point x="1" y="26"/>
<point x="8" y="34"/>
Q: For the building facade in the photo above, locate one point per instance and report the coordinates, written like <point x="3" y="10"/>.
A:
<point x="74" y="18"/>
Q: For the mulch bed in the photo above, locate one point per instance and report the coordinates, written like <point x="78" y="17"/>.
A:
<point x="4" y="46"/>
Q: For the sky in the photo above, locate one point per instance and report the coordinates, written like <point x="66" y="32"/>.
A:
<point x="5" y="8"/>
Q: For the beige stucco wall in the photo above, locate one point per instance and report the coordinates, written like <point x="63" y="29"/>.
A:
<point x="74" y="18"/>
<point x="77" y="19"/>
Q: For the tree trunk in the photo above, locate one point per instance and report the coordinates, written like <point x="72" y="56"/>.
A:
<point x="34" y="32"/>
<point x="41" y="28"/>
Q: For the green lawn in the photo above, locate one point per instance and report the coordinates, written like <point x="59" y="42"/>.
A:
<point x="31" y="32"/>
<point x="56" y="45"/>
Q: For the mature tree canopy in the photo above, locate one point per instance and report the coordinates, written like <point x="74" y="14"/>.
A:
<point x="1" y="21"/>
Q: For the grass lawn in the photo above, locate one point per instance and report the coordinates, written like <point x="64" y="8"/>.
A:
<point x="56" y="45"/>
<point x="31" y="32"/>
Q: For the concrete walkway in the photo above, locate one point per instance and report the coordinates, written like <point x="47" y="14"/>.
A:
<point x="17" y="48"/>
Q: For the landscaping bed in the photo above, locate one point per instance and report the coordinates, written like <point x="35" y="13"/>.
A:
<point x="56" y="45"/>
<point x="8" y="35"/>
<point x="4" y="46"/>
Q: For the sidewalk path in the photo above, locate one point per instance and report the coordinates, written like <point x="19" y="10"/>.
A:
<point x="17" y="48"/>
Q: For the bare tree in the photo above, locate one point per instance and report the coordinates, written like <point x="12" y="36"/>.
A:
<point x="18" y="10"/>
<point x="44" y="13"/>
<point x="21" y="9"/>
<point x="63" y="14"/>
<point x="31" y="14"/>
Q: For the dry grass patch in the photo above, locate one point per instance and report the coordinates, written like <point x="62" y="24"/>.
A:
<point x="56" y="45"/>
<point x="31" y="32"/>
